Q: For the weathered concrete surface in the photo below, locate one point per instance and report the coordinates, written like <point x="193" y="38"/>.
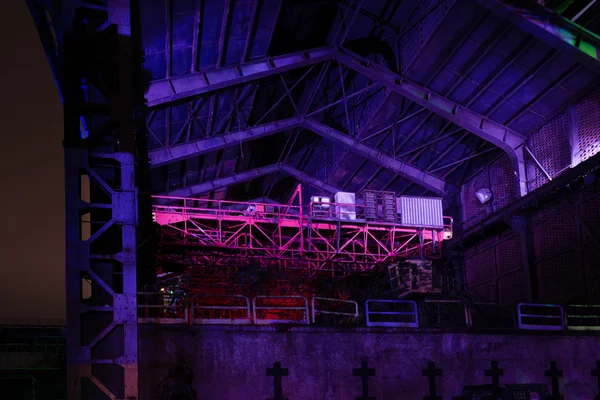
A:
<point x="230" y="363"/>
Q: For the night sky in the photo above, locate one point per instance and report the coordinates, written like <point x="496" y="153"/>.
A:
<point x="31" y="160"/>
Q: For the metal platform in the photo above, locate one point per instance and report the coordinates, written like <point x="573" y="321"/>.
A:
<point x="335" y="238"/>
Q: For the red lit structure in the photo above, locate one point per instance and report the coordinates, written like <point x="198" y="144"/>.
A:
<point x="322" y="237"/>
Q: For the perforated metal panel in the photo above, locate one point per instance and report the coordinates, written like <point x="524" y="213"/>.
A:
<point x="559" y="279"/>
<point x="499" y="177"/>
<point x="473" y="210"/>
<point x="551" y="147"/>
<point x="511" y="288"/>
<point x="587" y="112"/>
<point x="555" y="235"/>
<point x="494" y="269"/>
<point x="503" y="182"/>
<point x="508" y="255"/>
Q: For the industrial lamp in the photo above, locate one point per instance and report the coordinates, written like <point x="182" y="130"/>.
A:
<point x="484" y="195"/>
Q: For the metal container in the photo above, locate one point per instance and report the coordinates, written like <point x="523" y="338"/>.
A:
<point x="419" y="211"/>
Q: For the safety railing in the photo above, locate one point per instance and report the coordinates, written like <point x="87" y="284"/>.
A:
<point x="540" y="317"/>
<point x="333" y="307"/>
<point x="171" y="209"/>
<point x="582" y="317"/>
<point x="164" y="308"/>
<point x="280" y="310"/>
<point x="161" y="308"/>
<point x="392" y="313"/>
<point x="463" y="306"/>
<point x="232" y="310"/>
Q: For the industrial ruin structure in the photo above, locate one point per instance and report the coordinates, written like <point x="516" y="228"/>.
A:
<point x="282" y="191"/>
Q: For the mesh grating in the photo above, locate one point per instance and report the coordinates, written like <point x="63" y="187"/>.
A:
<point x="589" y="211"/>
<point x="473" y="210"/>
<point x="559" y="279"/>
<point x="551" y="147"/>
<point x="511" y="288"/>
<point x="480" y="267"/>
<point x="588" y="125"/>
<point x="494" y="268"/>
<point x="591" y="255"/>
<point x="508" y="255"/>
<point x="504" y="183"/>
<point x="500" y="179"/>
<point x="554" y="236"/>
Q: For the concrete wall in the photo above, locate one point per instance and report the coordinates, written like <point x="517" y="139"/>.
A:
<point x="229" y="363"/>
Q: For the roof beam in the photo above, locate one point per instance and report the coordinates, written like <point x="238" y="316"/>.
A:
<point x="180" y="87"/>
<point x="508" y="140"/>
<point x="557" y="31"/>
<point x="303" y="177"/>
<point x="407" y="170"/>
<point x="163" y="156"/>
<point x="221" y="183"/>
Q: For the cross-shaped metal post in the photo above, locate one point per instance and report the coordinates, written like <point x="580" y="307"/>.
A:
<point x="596" y="373"/>
<point x="431" y="372"/>
<point x="554" y="373"/>
<point x="495" y="373"/>
<point x="277" y="372"/>
<point x="364" y="372"/>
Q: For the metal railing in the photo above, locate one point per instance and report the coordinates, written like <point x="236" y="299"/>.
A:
<point x="215" y="314"/>
<point x="163" y="309"/>
<point x="404" y="318"/>
<point x="465" y="307"/>
<point x="540" y="317"/>
<point x="265" y="310"/>
<point x="582" y="317"/>
<point x="334" y="303"/>
<point x="284" y="312"/>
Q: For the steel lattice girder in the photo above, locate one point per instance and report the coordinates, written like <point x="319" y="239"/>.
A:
<point x="191" y="149"/>
<point x="507" y="139"/>
<point x="546" y="25"/>
<point x="202" y="146"/>
<point x="176" y="88"/>
<point x="407" y="170"/>
<point x="221" y="183"/>
<point x="285" y="237"/>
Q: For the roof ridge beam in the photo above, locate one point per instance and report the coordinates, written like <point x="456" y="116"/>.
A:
<point x="403" y="168"/>
<point x="163" y="91"/>
<point x="245" y="176"/>
<point x="221" y="183"/>
<point x="551" y="28"/>
<point x="507" y="139"/>
<point x="163" y="156"/>
<point x="310" y="180"/>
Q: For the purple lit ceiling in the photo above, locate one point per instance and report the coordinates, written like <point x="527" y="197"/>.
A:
<point x="289" y="116"/>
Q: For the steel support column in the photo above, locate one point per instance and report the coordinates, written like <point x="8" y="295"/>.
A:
<point x="101" y="211"/>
